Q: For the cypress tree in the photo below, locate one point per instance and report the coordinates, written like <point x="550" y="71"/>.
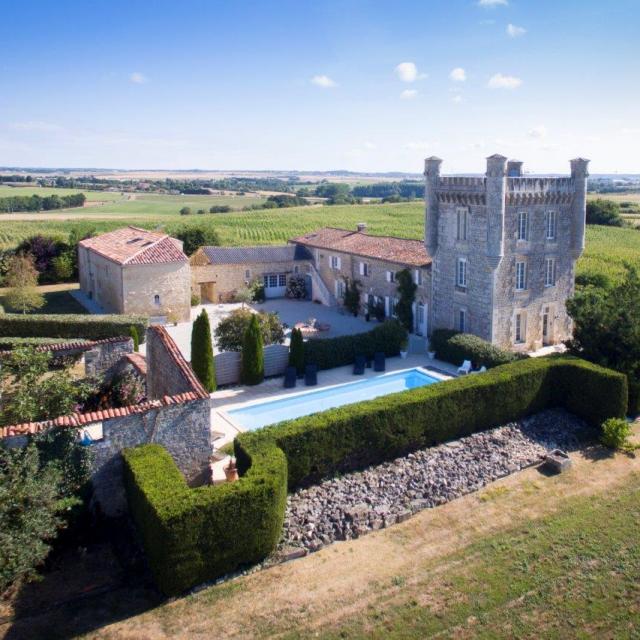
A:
<point x="407" y="292"/>
<point x="252" y="353"/>
<point x="133" y="332"/>
<point x="296" y="351"/>
<point x="202" y="361"/>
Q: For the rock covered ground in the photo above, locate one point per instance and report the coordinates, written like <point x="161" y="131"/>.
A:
<point x="351" y="505"/>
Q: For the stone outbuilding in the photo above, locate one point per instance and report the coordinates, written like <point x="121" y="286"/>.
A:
<point x="133" y="270"/>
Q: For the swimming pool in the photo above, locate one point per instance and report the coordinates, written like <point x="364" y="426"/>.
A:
<point x="269" y="412"/>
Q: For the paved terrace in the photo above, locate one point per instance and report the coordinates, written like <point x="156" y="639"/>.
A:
<point x="225" y="430"/>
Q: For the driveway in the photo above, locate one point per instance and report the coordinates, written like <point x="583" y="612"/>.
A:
<point x="290" y="312"/>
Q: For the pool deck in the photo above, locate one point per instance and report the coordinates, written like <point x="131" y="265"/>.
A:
<point x="225" y="429"/>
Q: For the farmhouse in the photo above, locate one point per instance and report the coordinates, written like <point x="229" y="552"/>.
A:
<point x="133" y="270"/>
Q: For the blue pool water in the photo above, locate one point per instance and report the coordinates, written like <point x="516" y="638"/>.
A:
<point x="272" y="411"/>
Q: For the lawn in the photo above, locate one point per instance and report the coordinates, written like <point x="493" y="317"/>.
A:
<point x="58" y="299"/>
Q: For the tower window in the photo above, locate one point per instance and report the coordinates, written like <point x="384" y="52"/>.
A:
<point x="550" y="225"/>
<point x="521" y="276"/>
<point x="523" y="225"/>
<point x="462" y="223"/>
<point x="550" y="272"/>
<point x="461" y="272"/>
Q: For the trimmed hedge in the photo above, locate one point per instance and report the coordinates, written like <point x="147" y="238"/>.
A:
<point x="195" y="535"/>
<point x="70" y="325"/>
<point x="454" y="347"/>
<point x="7" y="344"/>
<point x="634" y="398"/>
<point x="328" y="353"/>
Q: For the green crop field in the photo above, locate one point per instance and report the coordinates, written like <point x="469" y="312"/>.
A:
<point x="607" y="249"/>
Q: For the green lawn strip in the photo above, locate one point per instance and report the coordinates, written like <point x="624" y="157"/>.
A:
<point x="571" y="575"/>
<point x="56" y="302"/>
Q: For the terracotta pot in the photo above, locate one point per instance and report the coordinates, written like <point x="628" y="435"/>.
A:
<point x="231" y="471"/>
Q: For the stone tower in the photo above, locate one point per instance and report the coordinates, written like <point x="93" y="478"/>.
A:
<point x="504" y="249"/>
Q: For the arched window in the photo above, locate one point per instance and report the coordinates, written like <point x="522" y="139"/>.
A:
<point x="156" y="299"/>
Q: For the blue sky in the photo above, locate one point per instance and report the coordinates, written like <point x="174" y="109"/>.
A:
<point x="353" y="84"/>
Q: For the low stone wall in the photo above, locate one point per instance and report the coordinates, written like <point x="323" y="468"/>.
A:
<point x="229" y="363"/>
<point x="102" y="358"/>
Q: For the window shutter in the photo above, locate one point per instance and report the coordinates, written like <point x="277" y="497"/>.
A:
<point x="362" y="268"/>
<point x="339" y="261"/>
<point x="388" y="274"/>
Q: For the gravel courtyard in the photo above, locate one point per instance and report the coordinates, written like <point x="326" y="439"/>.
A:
<point x="350" y="506"/>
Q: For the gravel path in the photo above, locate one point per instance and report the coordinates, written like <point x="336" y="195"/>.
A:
<point x="349" y="506"/>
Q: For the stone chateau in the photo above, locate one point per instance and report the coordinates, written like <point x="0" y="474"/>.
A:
<point x="498" y="260"/>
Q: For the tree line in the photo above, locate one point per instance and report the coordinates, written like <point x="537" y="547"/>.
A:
<point x="41" y="203"/>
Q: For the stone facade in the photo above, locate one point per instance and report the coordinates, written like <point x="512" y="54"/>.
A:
<point x="504" y="249"/>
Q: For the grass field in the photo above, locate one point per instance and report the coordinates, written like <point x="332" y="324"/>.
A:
<point x="56" y="297"/>
<point x="607" y="248"/>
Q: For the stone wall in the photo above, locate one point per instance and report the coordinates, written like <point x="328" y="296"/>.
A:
<point x="103" y="358"/>
<point x="101" y="280"/>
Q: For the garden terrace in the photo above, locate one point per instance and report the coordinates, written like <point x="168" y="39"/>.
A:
<point x="192" y="536"/>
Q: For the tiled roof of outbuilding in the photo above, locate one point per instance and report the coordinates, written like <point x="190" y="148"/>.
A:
<point x="132" y="245"/>
<point x="265" y="254"/>
<point x="388" y="248"/>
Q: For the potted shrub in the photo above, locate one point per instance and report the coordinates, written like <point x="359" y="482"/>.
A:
<point x="404" y="348"/>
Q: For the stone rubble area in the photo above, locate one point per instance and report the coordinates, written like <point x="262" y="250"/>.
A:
<point x="351" y="505"/>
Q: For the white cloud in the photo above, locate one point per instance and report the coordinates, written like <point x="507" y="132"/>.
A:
<point x="408" y="94"/>
<point x="408" y="72"/>
<point x="537" y="132"/>
<point x="369" y="145"/>
<point x="323" y="81"/>
<point x="500" y="81"/>
<point x="514" y="31"/>
<point x="458" y="74"/>
<point x="630" y="131"/>
<point x="418" y="145"/>
<point x="35" y="125"/>
<point x="138" y="78"/>
<point x="492" y="3"/>
<point x="457" y="99"/>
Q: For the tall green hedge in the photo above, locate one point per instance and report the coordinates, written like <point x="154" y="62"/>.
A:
<point x="454" y="347"/>
<point x="202" y="361"/>
<point x="328" y="353"/>
<point x="296" y="351"/>
<point x="70" y="326"/>
<point x="194" y="535"/>
<point x="252" y="370"/>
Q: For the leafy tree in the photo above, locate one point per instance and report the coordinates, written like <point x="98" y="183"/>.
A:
<point x="44" y="250"/>
<point x="31" y="508"/>
<point x="29" y="391"/>
<point x="606" y="212"/>
<point x="229" y="333"/>
<point x="200" y="212"/>
<point x="296" y="351"/>
<point x="185" y="211"/>
<point x="352" y="296"/>
<point x="202" y="361"/>
<point x="63" y="266"/>
<point x="22" y="280"/>
<point x="252" y="354"/>
<point x="406" y="297"/>
<point x="607" y="328"/>
<point x="196" y="236"/>
<point x="224" y="208"/>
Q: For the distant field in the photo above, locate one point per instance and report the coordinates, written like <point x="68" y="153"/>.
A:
<point x="607" y="248"/>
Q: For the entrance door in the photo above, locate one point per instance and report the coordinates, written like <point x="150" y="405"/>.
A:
<point x="546" y="326"/>
<point x="421" y="320"/>
<point x="208" y="292"/>
<point x="275" y="285"/>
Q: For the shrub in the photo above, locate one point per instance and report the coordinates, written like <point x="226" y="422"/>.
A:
<point x="454" y="347"/>
<point x="22" y="279"/>
<point x="252" y="371"/>
<point x="133" y="332"/>
<point x="605" y="212"/>
<point x="195" y="300"/>
<point x="407" y="291"/>
<point x="70" y="325"/>
<point x="195" y="236"/>
<point x="230" y="331"/>
<point x="256" y="290"/>
<point x="352" y="296"/>
<point x="296" y="287"/>
<point x="328" y="353"/>
<point x="296" y="351"/>
<point x="615" y="432"/>
<point x="202" y="361"/>
<point x="193" y="535"/>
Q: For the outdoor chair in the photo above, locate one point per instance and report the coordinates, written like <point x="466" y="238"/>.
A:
<point x="311" y="375"/>
<point x="464" y="368"/>
<point x="290" y="376"/>
<point x="379" y="363"/>
<point x="359" y="365"/>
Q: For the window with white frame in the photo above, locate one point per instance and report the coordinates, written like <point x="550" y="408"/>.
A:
<point x="391" y="276"/>
<point x="521" y="275"/>
<point x="387" y="306"/>
<point x="335" y="262"/>
<point x="417" y="277"/>
<point x="523" y="225"/>
<point x="550" y="225"/>
<point x="520" y="327"/>
<point x="282" y="280"/>
<point x="394" y="306"/>
<point x="462" y="223"/>
<point x="461" y="272"/>
<point x="271" y="281"/>
<point x="550" y="272"/>
<point x="339" y="289"/>
<point x="364" y="269"/>
<point x="461" y="321"/>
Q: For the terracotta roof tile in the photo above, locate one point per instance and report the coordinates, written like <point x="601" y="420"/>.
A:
<point x="132" y="245"/>
<point x="388" y="248"/>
